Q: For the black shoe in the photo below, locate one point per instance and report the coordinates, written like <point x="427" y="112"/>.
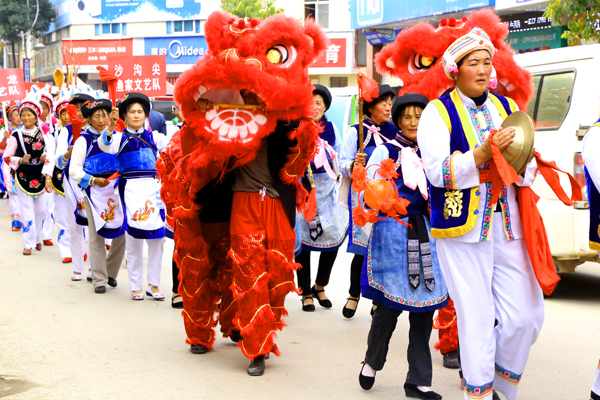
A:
<point x="100" y="289"/>
<point x="413" y="391"/>
<point x="2" y="194"/>
<point x="178" y="303"/>
<point x="451" y="360"/>
<point x="198" y="349"/>
<point x="348" y="312"/>
<point x="307" y="307"/>
<point x="235" y="336"/>
<point x="496" y="397"/>
<point x="257" y="366"/>
<point x="594" y="396"/>
<point x="366" y="382"/>
<point x="112" y="282"/>
<point x="89" y="278"/>
<point x="323" y="303"/>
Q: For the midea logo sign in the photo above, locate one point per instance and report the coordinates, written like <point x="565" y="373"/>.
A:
<point x="177" y="50"/>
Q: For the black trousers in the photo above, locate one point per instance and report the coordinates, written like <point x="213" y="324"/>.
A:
<point x="420" y="368"/>
<point x="326" y="260"/>
<point x="355" y="275"/>
<point x="175" y="272"/>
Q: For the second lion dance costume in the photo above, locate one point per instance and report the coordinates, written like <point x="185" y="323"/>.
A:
<point x="257" y="151"/>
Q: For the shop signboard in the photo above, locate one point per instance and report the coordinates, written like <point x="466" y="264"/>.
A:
<point x="95" y="52"/>
<point x="537" y="39"/>
<point x="334" y="55"/>
<point x="85" y="12"/>
<point x="145" y="74"/>
<point x="12" y="86"/>
<point x="367" y="13"/>
<point x="179" y="49"/>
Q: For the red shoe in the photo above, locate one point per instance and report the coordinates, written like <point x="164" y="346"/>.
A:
<point x="85" y="257"/>
<point x="107" y="246"/>
<point x="15" y="229"/>
<point x="48" y="243"/>
<point x="38" y="246"/>
<point x="67" y="260"/>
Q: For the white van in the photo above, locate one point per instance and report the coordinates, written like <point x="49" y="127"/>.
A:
<point x="566" y="102"/>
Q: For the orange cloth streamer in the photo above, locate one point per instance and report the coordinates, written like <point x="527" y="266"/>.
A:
<point x="111" y="81"/>
<point x="536" y="240"/>
<point x="75" y="121"/>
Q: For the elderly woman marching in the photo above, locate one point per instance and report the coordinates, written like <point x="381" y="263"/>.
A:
<point x="90" y="167"/>
<point x="50" y="129"/>
<point x="401" y="271"/>
<point x="326" y="232"/>
<point x="481" y="247"/>
<point x="26" y="152"/>
<point x="140" y="193"/>
<point x="377" y="130"/>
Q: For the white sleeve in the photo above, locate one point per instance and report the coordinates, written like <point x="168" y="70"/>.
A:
<point x="338" y="139"/>
<point x="160" y="140"/>
<point x="77" y="158"/>
<point x="379" y="154"/>
<point x="348" y="151"/>
<point x="62" y="146"/>
<point x="49" y="150"/>
<point x="443" y="169"/>
<point x="590" y="152"/>
<point x="110" y="144"/>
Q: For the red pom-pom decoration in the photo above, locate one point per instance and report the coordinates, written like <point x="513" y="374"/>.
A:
<point x="464" y="19"/>
<point x="443" y="22"/>
<point x="241" y="24"/>
<point x="224" y="44"/>
<point x="452" y="22"/>
<point x="231" y="21"/>
<point x="244" y="50"/>
<point x="253" y="22"/>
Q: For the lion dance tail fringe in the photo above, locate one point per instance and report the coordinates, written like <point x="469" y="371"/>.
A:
<point x="445" y="322"/>
<point x="262" y="279"/>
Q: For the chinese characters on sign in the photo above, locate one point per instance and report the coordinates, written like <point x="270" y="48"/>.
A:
<point x="334" y="55"/>
<point x="12" y="86"/>
<point x="95" y="52"/>
<point x="145" y="74"/>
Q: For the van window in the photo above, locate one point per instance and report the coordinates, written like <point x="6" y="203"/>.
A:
<point x="551" y="100"/>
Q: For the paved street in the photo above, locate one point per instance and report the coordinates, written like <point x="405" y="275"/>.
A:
<point x="59" y="340"/>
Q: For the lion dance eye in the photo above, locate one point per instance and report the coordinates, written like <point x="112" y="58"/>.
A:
<point x="278" y="54"/>
<point x="423" y="63"/>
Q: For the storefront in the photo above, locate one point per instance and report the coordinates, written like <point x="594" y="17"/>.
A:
<point x="182" y="52"/>
<point x="335" y="66"/>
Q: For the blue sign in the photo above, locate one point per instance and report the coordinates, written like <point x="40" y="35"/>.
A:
<point x="376" y="38"/>
<point x="27" y="69"/>
<point x="61" y="7"/>
<point x="178" y="49"/>
<point x="367" y="13"/>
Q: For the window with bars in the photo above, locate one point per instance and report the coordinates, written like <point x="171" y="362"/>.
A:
<point x="338" y="81"/>
<point x="319" y="10"/>
<point x="183" y="26"/>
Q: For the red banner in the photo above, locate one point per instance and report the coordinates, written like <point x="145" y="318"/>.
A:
<point x="334" y="55"/>
<point x="144" y="74"/>
<point x="95" y="52"/>
<point x="12" y="85"/>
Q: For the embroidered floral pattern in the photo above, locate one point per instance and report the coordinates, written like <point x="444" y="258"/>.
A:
<point x="487" y="215"/>
<point x="508" y="375"/>
<point x="326" y="245"/>
<point x="478" y="392"/>
<point x="397" y="299"/>
<point x="477" y="121"/>
<point x="446" y="172"/>
<point x="37" y="145"/>
<point x="34" y="184"/>
<point x="506" y="215"/>
<point x="109" y="214"/>
<point x="143" y="214"/>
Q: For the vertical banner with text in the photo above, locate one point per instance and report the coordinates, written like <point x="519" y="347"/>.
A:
<point x="12" y="86"/>
<point x="144" y="74"/>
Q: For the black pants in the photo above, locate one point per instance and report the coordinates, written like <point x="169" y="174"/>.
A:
<point x="355" y="275"/>
<point x="175" y="271"/>
<point x="419" y="355"/>
<point x="326" y="260"/>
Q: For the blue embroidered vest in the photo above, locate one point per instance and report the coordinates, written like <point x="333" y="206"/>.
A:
<point x="454" y="211"/>
<point x="594" y="202"/>
<point x="97" y="162"/>
<point x="418" y="205"/>
<point x="135" y="158"/>
<point x="386" y="129"/>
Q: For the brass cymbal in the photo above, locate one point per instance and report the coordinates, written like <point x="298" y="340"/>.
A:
<point x="520" y="150"/>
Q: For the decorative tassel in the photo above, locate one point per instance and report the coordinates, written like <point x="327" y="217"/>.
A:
<point x="310" y="211"/>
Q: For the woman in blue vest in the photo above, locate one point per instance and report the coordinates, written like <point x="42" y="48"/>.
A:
<point x="377" y="130"/>
<point x="326" y="232"/>
<point x="499" y="303"/>
<point x="590" y="151"/>
<point x="90" y="167"/>
<point x="401" y="271"/>
<point x="140" y="193"/>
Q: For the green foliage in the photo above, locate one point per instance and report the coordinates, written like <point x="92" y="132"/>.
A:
<point x="583" y="16"/>
<point x="250" y="8"/>
<point x="16" y="17"/>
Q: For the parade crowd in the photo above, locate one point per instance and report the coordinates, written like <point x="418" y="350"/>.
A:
<point x="452" y="241"/>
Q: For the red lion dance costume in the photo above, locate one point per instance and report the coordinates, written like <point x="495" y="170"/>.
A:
<point x="242" y="261"/>
<point x="416" y="58"/>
